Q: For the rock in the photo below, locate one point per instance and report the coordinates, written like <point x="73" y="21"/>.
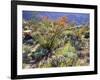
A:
<point x="28" y="39"/>
<point x="28" y="32"/>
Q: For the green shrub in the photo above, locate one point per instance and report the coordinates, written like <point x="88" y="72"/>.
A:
<point x="69" y="52"/>
<point x="39" y="53"/>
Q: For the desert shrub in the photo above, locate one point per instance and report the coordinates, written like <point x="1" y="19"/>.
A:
<point x="45" y="63"/>
<point x="82" y="62"/>
<point x="39" y="53"/>
<point x="65" y="50"/>
<point x="48" y="34"/>
<point x="55" y="61"/>
<point x="61" y="61"/>
<point x="68" y="52"/>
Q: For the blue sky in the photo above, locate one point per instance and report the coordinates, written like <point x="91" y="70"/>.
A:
<point x="78" y="18"/>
